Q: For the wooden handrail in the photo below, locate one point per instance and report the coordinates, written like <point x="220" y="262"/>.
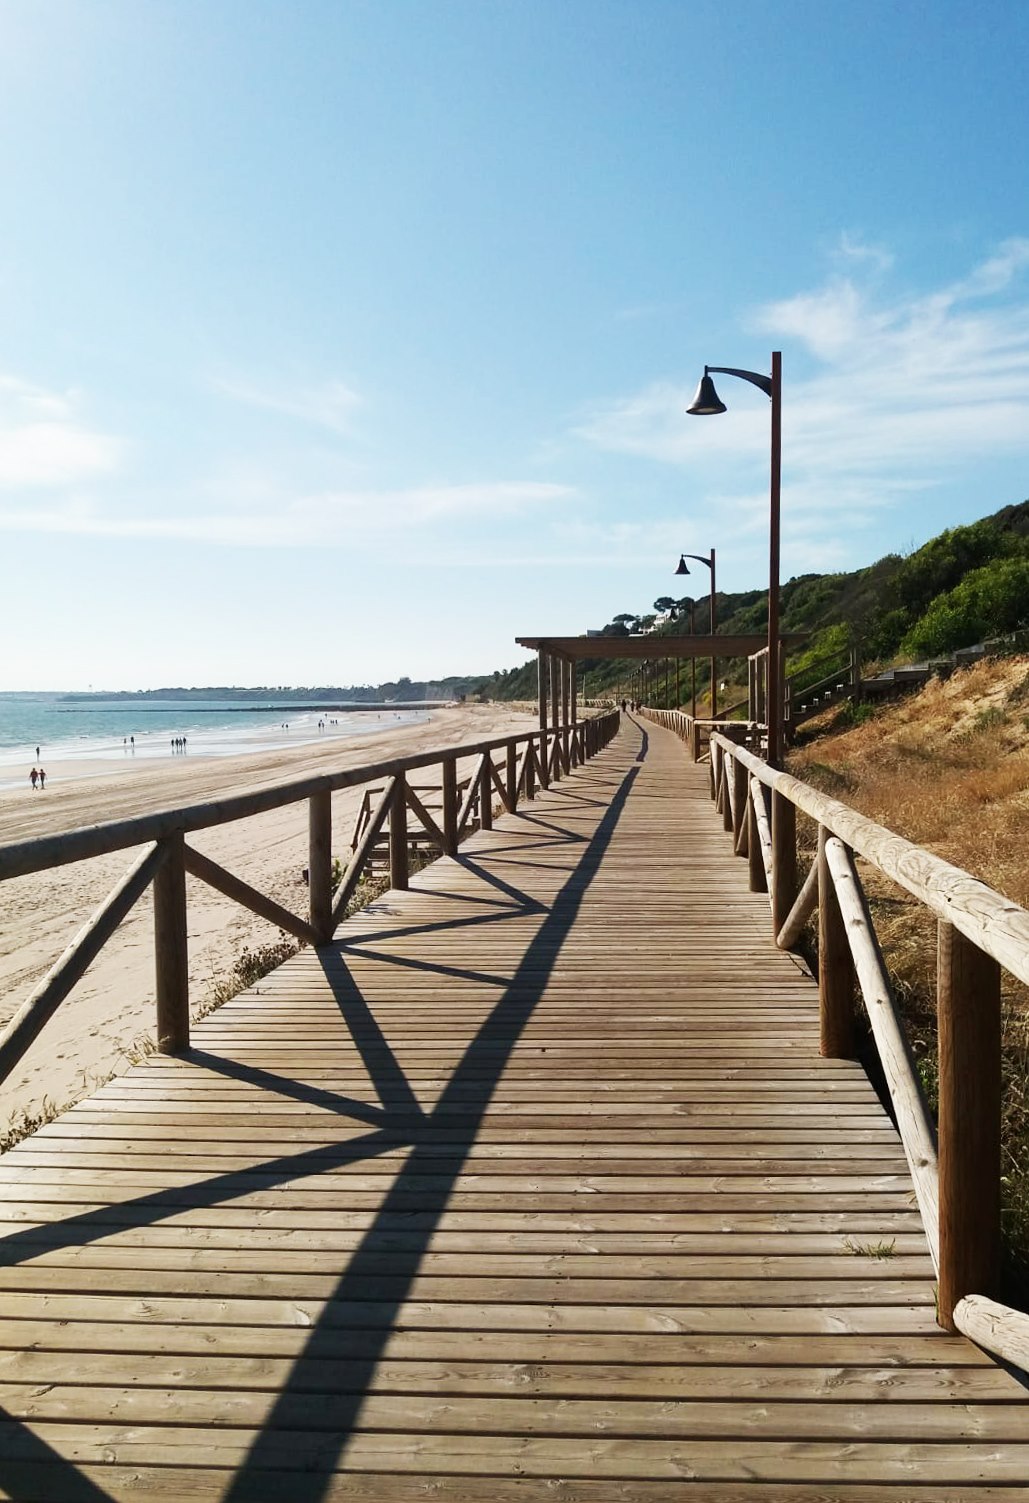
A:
<point x="995" y="1327"/>
<point x="432" y="829"/>
<point x="470" y="798"/>
<point x="167" y="859"/>
<point x="804" y="906"/>
<point x="909" y="1104"/>
<point x="358" y="861"/>
<point x="248" y="897"/>
<point x="19" y="858"/>
<point x="991" y="921"/>
<point x="956" y="1182"/>
<point x="764" y="829"/>
<point x="45" y="998"/>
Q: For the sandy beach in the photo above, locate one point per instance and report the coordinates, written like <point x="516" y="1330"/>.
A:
<point x="96" y="1027"/>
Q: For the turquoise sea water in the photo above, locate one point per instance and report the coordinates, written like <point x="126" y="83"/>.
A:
<point x="66" y="729"/>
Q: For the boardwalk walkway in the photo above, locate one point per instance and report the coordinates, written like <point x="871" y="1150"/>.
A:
<point x="535" y="1174"/>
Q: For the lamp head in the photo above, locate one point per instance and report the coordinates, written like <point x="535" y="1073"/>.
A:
<point x="682" y="569"/>
<point x="706" y="401"/>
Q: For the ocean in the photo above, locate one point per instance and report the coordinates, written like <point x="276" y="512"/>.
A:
<point x="68" y="729"/>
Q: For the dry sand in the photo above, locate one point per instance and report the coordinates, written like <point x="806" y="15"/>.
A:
<point x="113" y="1005"/>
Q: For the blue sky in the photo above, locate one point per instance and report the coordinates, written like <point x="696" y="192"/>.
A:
<point x="345" y="340"/>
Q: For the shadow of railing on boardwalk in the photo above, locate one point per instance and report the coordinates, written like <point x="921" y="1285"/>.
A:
<point x="425" y="1183"/>
<point x="311" y="1456"/>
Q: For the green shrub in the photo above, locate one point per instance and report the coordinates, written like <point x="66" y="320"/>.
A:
<point x="989" y="719"/>
<point x="990" y="600"/>
<point x="853" y="713"/>
<point x="942" y="563"/>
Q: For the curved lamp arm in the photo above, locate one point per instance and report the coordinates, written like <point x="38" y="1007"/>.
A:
<point x="754" y="377"/>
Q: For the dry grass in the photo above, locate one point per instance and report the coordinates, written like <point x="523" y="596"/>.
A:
<point x="949" y="769"/>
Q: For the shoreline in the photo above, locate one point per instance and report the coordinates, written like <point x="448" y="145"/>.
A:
<point x="113" y="1005"/>
<point x="97" y="756"/>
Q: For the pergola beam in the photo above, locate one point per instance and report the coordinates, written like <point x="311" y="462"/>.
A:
<point x="577" y="648"/>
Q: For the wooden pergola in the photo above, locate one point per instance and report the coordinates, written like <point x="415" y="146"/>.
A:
<point x="559" y="658"/>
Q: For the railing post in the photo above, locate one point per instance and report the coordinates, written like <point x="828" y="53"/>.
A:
<point x="566" y="715"/>
<point x="835" y="967"/>
<point x="757" y="881"/>
<point x="530" y="772"/>
<point x="450" y="809"/>
<point x="740" y="786"/>
<point x="727" y="761"/>
<point x="784" y="859"/>
<point x="556" y="667"/>
<point x="319" y="864"/>
<point x="485" y="795"/>
<point x="511" y="775"/>
<point x="543" y="666"/>
<point x="968" y="1001"/>
<point x="171" y="952"/>
<point x="694" y="740"/>
<point x="398" y="863"/>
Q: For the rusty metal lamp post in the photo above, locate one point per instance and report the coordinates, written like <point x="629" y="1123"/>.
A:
<point x="706" y="403"/>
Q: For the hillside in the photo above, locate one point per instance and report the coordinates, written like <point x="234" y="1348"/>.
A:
<point x="961" y="586"/>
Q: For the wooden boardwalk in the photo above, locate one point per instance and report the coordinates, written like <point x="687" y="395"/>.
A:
<point x="531" y="1186"/>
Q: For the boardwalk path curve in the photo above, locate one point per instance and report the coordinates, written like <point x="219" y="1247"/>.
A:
<point x="531" y="1186"/>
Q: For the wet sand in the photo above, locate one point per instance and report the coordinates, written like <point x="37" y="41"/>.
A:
<point x="113" y="1005"/>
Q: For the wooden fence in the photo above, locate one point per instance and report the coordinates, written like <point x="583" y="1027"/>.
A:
<point x="525" y="762"/>
<point x="955" y="1166"/>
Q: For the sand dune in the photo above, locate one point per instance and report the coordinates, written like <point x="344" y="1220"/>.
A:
<point x="113" y="1005"/>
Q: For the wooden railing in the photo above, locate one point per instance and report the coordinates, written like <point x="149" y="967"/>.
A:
<point x="697" y="730"/>
<point x="955" y="1167"/>
<point x="526" y="762"/>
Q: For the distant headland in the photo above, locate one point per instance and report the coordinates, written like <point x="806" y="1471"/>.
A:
<point x="320" y="696"/>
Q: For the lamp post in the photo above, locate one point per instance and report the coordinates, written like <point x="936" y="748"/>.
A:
<point x="693" y="663"/>
<point x="706" y="403"/>
<point x="682" y="569"/>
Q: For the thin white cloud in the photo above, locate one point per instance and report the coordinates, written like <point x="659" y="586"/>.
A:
<point x="897" y="394"/>
<point x="327" y="518"/>
<point x="329" y="404"/>
<point x="997" y="272"/>
<point x="44" y="441"/>
<point x="851" y="248"/>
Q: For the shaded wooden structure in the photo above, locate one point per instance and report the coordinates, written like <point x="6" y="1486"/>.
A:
<point x="559" y="658"/>
<point x="532" y="1182"/>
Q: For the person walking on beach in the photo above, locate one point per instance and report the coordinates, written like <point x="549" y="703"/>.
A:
<point x="42" y="779"/>
<point x="33" y="778"/>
